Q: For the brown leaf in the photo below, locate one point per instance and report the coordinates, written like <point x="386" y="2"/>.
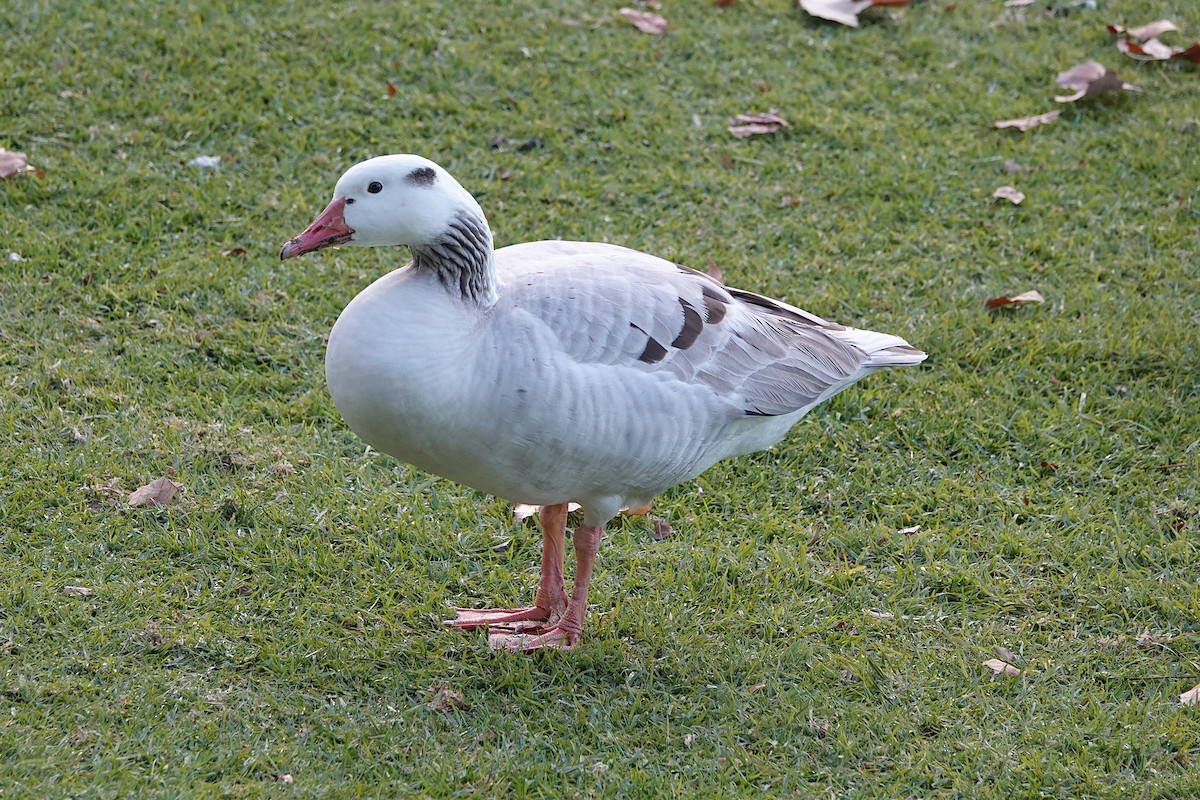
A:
<point x="1014" y="196"/>
<point x="1001" y="667"/>
<point x="757" y="124"/>
<point x="1089" y="78"/>
<point x="714" y="272"/>
<point x="78" y="591"/>
<point x="660" y="529"/>
<point x="1032" y="296"/>
<point x="1191" y="53"/>
<point x="645" y="21"/>
<point x="909" y="531"/>
<point x="13" y="164"/>
<point x="1151" y="30"/>
<point x="156" y="493"/>
<point x="725" y="3"/>
<point x="1191" y="697"/>
<point x="391" y="89"/>
<point x="1025" y="123"/>
<point x="446" y="699"/>
<point x="1149" y="50"/>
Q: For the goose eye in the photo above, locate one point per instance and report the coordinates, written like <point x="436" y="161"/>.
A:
<point x="374" y="187"/>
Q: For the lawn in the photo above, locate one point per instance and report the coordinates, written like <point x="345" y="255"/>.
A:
<point x="817" y="624"/>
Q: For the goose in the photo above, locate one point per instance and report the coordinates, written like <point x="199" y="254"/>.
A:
<point x="553" y="372"/>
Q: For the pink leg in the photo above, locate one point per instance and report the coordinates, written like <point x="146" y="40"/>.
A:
<point x="566" y="632"/>
<point x="551" y="599"/>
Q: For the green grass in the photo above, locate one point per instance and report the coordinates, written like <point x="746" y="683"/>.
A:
<point x="281" y="617"/>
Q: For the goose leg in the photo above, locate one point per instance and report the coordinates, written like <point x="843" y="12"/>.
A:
<point x="566" y="632"/>
<point x="551" y="599"/>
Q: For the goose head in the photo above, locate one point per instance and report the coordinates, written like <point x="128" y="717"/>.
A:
<point x="390" y="200"/>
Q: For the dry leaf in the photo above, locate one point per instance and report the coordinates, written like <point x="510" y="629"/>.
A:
<point x="1008" y="193"/>
<point x="1032" y="296"/>
<point x="156" y="493"/>
<point x="1025" y="123"/>
<point x="714" y="272"/>
<point x="660" y="529"/>
<point x="1149" y="50"/>
<point x="13" y="164"/>
<point x="745" y="125"/>
<point x="844" y="12"/>
<point x="1088" y="78"/>
<point x="1190" y="53"/>
<point x="1004" y="654"/>
<point x="78" y="591"/>
<point x="1151" y="30"/>
<point x="645" y="21"/>
<point x="909" y="531"/>
<point x="446" y="699"/>
<point x="725" y="3"/>
<point x="1001" y="667"/>
<point x="1154" y="50"/>
<point x="1191" y="697"/>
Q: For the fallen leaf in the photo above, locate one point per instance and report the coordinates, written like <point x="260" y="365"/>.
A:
<point x="1142" y="43"/>
<point x="1017" y="3"/>
<point x="78" y="591"/>
<point x="234" y="251"/>
<point x="645" y="21"/>
<point x="1191" y="697"/>
<point x="1014" y="196"/>
<point x="1032" y="296"/>
<point x="1149" y="50"/>
<point x="660" y="529"/>
<point x="745" y="125"/>
<point x="909" y="531"/>
<point x="391" y="90"/>
<point x="1190" y="53"/>
<point x="1089" y="78"/>
<point x="446" y="699"/>
<point x="13" y="164"/>
<point x="1004" y="654"/>
<point x="844" y="12"/>
<point x="1001" y="667"/>
<point x="1151" y="30"/>
<point x="1011" y="166"/>
<point x="725" y="3"/>
<point x="714" y="272"/>
<point x="1025" y="123"/>
<point x="156" y="493"/>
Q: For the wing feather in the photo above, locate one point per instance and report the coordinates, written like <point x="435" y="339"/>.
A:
<point x="609" y="305"/>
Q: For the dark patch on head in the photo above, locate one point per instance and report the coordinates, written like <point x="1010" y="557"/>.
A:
<point x="714" y="306"/>
<point x="422" y="176"/>
<point x="692" y="325"/>
<point x="653" y="353"/>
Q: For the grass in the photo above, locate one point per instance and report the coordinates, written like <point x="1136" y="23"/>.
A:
<point x="274" y="631"/>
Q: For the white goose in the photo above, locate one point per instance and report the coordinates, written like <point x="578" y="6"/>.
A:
<point x="554" y="371"/>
